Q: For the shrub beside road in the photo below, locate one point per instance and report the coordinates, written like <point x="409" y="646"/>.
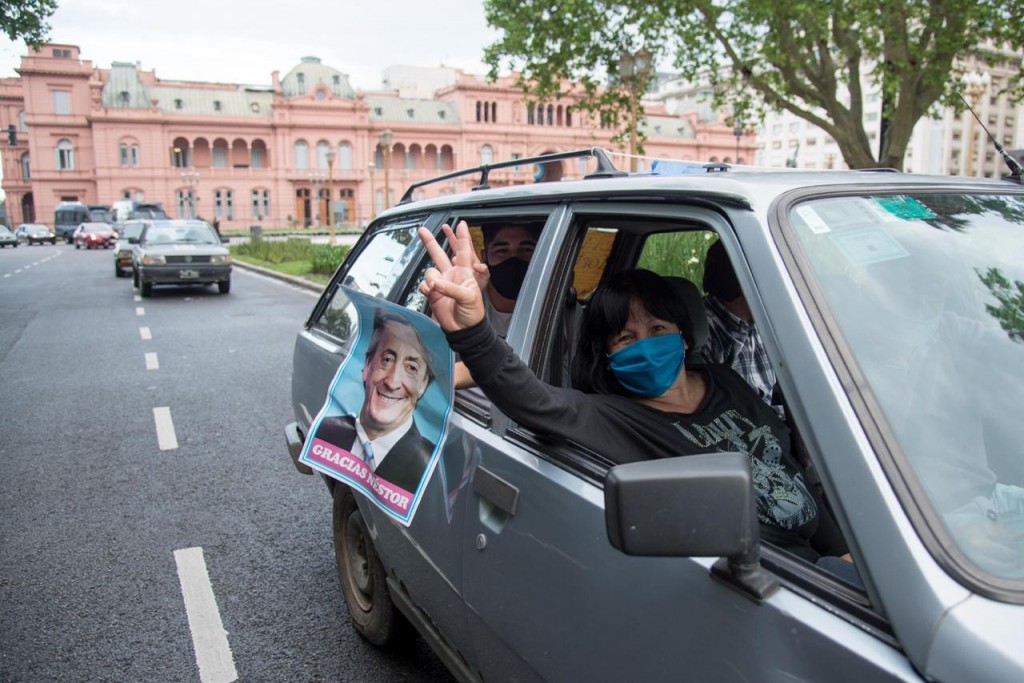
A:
<point x="295" y="257"/>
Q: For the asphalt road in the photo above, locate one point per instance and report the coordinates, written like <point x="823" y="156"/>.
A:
<point x="143" y="477"/>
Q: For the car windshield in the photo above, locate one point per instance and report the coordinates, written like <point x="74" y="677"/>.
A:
<point x="191" y="234"/>
<point x="97" y="228"/>
<point x="928" y="292"/>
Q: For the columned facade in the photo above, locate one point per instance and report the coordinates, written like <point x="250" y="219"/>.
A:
<point x="302" y="150"/>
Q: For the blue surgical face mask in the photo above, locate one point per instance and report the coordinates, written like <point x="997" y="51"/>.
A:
<point x="649" y="367"/>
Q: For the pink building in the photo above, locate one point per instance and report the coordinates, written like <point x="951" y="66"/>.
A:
<point x="276" y="154"/>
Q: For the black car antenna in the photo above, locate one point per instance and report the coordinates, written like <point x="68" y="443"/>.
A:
<point x="1016" y="170"/>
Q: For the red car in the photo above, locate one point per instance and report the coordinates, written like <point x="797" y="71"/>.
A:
<point x="96" y="235"/>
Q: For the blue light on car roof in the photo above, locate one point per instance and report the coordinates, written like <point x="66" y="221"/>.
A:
<point x="673" y="167"/>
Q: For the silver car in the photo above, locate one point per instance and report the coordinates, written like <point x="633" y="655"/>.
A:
<point x="892" y="310"/>
<point x="179" y="252"/>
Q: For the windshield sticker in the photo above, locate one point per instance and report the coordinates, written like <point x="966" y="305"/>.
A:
<point x="381" y="428"/>
<point x="903" y="207"/>
<point x="813" y="220"/>
<point x="868" y="245"/>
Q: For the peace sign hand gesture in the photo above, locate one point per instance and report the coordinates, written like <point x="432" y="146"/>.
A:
<point x="451" y="286"/>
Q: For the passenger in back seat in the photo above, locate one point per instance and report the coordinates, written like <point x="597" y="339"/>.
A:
<point x="733" y="338"/>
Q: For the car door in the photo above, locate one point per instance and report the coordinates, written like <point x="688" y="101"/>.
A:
<point x="549" y="598"/>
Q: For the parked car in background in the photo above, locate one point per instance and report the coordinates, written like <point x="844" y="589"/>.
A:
<point x="32" y="233"/>
<point x="127" y="209"/>
<point x="890" y="309"/>
<point x="179" y="252"/>
<point x="7" y="238"/>
<point x="94" y="235"/>
<point x="123" y="247"/>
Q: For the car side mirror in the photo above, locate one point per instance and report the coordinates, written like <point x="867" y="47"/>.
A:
<point x="133" y="240"/>
<point x="224" y="239"/>
<point x="690" y="506"/>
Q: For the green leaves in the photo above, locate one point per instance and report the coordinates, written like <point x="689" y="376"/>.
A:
<point x="26" y="19"/>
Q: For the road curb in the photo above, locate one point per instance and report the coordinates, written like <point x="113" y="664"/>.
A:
<point x="290" y="279"/>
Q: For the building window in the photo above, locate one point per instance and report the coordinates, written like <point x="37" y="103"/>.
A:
<point x="568" y="117"/>
<point x="336" y="79"/>
<point x="180" y="157"/>
<point x="216" y="105"/>
<point x="345" y="157"/>
<point x="515" y="157"/>
<point x="301" y="156"/>
<point x="411" y="113"/>
<point x="124" y="155"/>
<point x="478" y="116"/>
<point x="223" y="204"/>
<point x="261" y="204"/>
<point x="124" y="97"/>
<point x="300" y="78"/>
<point x="26" y="167"/>
<point x="62" y="54"/>
<point x="529" y="114"/>
<point x="65" y="156"/>
<point x="551" y="114"/>
<point x="181" y="203"/>
<point x="178" y="104"/>
<point x="256" y="156"/>
<point x="494" y="112"/>
<point x="22" y="126"/>
<point x="321" y="155"/>
<point x="61" y="102"/>
<point x="441" y="113"/>
<point x="220" y="156"/>
<point x="486" y="155"/>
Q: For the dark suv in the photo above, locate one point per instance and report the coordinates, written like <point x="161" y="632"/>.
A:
<point x="891" y="307"/>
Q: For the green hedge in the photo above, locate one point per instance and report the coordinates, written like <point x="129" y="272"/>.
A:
<point x="321" y="258"/>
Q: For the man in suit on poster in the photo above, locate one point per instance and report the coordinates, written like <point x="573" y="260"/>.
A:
<point x="395" y="376"/>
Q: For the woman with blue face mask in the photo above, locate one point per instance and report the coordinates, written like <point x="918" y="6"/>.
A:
<point x="634" y="397"/>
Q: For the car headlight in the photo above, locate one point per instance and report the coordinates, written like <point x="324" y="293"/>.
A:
<point x="220" y="260"/>
<point x="153" y="260"/>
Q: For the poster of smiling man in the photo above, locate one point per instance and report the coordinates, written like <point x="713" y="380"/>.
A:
<point x="384" y="419"/>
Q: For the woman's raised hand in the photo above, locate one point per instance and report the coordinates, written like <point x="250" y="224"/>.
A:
<point x="451" y="286"/>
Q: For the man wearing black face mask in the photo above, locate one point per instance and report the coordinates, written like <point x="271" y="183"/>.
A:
<point x="507" y="252"/>
<point x="500" y="272"/>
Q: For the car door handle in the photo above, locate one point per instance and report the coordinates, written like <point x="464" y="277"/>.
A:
<point x="498" y="492"/>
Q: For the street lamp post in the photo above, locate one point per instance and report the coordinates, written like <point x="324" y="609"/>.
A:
<point x="330" y="194"/>
<point x="633" y="71"/>
<point x="738" y="132"/>
<point x="317" y="179"/>
<point x="977" y="85"/>
<point x="385" y="141"/>
<point x="371" y="167"/>
<point x="191" y="178"/>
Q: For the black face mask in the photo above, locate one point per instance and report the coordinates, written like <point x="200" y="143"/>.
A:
<point x="507" y="277"/>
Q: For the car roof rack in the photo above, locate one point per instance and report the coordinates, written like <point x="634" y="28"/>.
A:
<point x="605" y="169"/>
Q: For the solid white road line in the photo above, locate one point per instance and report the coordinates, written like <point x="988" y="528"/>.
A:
<point x="151" y="362"/>
<point x="209" y="639"/>
<point x="145" y="333"/>
<point x="165" y="436"/>
<point x="140" y="310"/>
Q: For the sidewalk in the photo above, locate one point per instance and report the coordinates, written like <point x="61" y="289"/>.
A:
<point x="290" y="279"/>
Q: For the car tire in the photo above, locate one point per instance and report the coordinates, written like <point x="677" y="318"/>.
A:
<point x="362" y="576"/>
<point x="145" y="289"/>
<point x="117" y="270"/>
<point x="224" y="286"/>
<point x="77" y="245"/>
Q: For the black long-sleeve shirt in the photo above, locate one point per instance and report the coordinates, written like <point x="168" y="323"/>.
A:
<point x="731" y="418"/>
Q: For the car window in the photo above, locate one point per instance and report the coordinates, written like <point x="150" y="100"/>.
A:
<point x="678" y="254"/>
<point x="375" y="270"/>
<point x="928" y="293"/>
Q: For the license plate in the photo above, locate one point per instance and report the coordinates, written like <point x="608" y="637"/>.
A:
<point x="188" y="274"/>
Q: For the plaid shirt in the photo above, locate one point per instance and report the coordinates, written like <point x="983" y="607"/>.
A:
<point x="736" y="343"/>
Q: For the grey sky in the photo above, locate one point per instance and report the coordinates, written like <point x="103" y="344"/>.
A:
<point x="243" y="41"/>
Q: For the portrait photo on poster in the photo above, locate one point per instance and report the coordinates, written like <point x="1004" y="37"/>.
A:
<point x="384" y="418"/>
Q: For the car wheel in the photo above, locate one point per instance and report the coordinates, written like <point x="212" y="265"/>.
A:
<point x="224" y="286"/>
<point x="77" y="245"/>
<point x="146" y="289"/>
<point x="362" y="575"/>
<point x="117" y="270"/>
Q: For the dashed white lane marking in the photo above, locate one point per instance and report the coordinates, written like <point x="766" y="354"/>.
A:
<point x="18" y="270"/>
<point x="151" y="362"/>
<point x="136" y="297"/>
<point x="209" y="639"/>
<point x="165" y="437"/>
<point x="140" y="310"/>
<point x="7" y="274"/>
<point x="145" y="333"/>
